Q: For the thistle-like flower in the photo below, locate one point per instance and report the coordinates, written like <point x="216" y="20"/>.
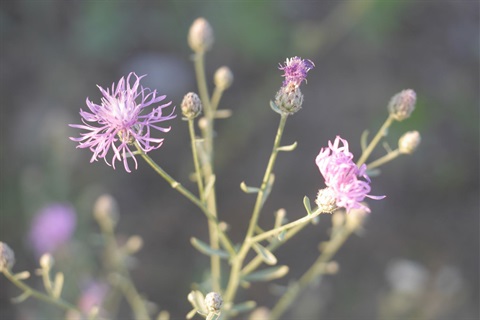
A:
<point x="120" y="122"/>
<point x="342" y="175"/>
<point x="295" y="70"/>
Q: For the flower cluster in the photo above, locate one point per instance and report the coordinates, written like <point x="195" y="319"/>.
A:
<point x="342" y="175"/>
<point x="121" y="124"/>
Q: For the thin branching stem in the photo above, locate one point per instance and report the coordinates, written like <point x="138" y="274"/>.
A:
<point x="380" y="134"/>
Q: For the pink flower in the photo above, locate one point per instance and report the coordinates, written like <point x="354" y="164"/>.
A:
<point x="52" y="227"/>
<point x="120" y="123"/>
<point x="342" y="175"/>
<point x="296" y="70"/>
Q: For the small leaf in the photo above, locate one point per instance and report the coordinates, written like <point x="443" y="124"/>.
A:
<point x="265" y="254"/>
<point x="363" y="140"/>
<point x="209" y="186"/>
<point x="58" y="285"/>
<point x="207" y="250"/>
<point x="306" y="203"/>
<point x="288" y="148"/>
<point x="268" y="188"/>
<point x="191" y="314"/>
<point x="197" y="300"/>
<point x="274" y="107"/>
<point x="22" y="275"/>
<point x="24" y="296"/>
<point x="281" y="235"/>
<point x="267" y="274"/>
<point x="248" y="189"/>
<point x="373" y="172"/>
<point x="163" y="315"/>
<point x="223" y="114"/>
<point x="242" y="307"/>
<point x="279" y="218"/>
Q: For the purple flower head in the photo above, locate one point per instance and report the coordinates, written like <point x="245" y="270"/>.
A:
<point x="342" y="175"/>
<point x="120" y="123"/>
<point x="51" y="227"/>
<point x="296" y="70"/>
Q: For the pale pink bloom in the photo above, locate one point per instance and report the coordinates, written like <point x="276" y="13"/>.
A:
<point x="342" y="175"/>
<point x="117" y="123"/>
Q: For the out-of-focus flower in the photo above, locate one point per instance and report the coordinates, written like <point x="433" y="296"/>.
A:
<point x="52" y="227"/>
<point x="200" y="36"/>
<point x="223" y="78"/>
<point x="120" y="122"/>
<point x="409" y="142"/>
<point x="407" y="276"/>
<point x="295" y="70"/>
<point x="92" y="296"/>
<point x="342" y="175"/>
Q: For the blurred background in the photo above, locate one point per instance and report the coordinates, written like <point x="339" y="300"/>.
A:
<point x="419" y="255"/>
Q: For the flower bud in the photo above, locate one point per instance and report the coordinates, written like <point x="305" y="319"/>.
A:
<point x="7" y="257"/>
<point x="409" y="142"/>
<point x="200" y="36"/>
<point x="105" y="211"/>
<point x="191" y="105"/>
<point x="289" y="98"/>
<point x="46" y="261"/>
<point x="326" y="200"/>
<point x="223" y="78"/>
<point x="402" y="104"/>
<point x="356" y="217"/>
<point x="213" y="302"/>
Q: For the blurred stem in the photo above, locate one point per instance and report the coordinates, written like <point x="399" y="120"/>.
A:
<point x="39" y="295"/>
<point x="386" y="158"/>
<point x="115" y="260"/>
<point x="208" y="170"/>
<point x="380" y="134"/>
<point x="237" y="263"/>
<point x="216" y="96"/>
<point x="177" y="186"/>
<point x="287" y="226"/>
<point x="315" y="270"/>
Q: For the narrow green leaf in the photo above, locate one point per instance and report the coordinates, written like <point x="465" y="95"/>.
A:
<point x="281" y="235"/>
<point x="209" y="186"/>
<point x="248" y="189"/>
<point x="274" y="107"/>
<point x="306" y="203"/>
<point x="267" y="274"/>
<point x="288" y="148"/>
<point x="197" y="300"/>
<point x="207" y="250"/>
<point x="363" y="140"/>
<point x="22" y="275"/>
<point x="191" y="314"/>
<point x="268" y="188"/>
<point x="279" y="218"/>
<point x="265" y="254"/>
<point x="58" y="285"/>
<point x="24" y="296"/>
<point x="222" y="114"/>
<point x="373" y="172"/>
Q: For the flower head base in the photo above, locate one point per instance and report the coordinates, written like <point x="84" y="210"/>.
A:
<point x="120" y="123"/>
<point x="296" y="70"/>
<point x="342" y="175"/>
<point x="289" y="99"/>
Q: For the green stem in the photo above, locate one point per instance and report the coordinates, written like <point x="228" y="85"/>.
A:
<point x="196" y="163"/>
<point x="380" y="134"/>
<point x="234" y="279"/>
<point x="39" y="295"/>
<point x="287" y="226"/>
<point x="208" y="171"/>
<point x="386" y="158"/>
<point x="308" y="277"/>
<point x="216" y="96"/>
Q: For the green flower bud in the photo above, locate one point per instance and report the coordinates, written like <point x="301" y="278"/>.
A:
<point x="191" y="105"/>
<point x="409" y="142"/>
<point x="223" y="78"/>
<point x="289" y="98"/>
<point x="402" y="104"/>
<point x="200" y="36"/>
<point x="213" y="302"/>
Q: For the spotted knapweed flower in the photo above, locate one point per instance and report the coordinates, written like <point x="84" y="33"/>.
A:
<point x="52" y="227"/>
<point x="120" y="122"/>
<point x="342" y="176"/>
<point x="295" y="70"/>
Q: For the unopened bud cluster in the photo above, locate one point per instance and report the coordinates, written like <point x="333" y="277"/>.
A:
<point x="200" y="36"/>
<point x="191" y="105"/>
<point x="7" y="257"/>
<point x="409" y="142"/>
<point x="213" y="302"/>
<point x="289" y="98"/>
<point x="223" y="78"/>
<point x="402" y="104"/>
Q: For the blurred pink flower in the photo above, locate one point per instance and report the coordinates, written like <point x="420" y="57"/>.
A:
<point x="342" y="175"/>
<point x="93" y="295"/>
<point x="120" y="122"/>
<point x="51" y="227"/>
